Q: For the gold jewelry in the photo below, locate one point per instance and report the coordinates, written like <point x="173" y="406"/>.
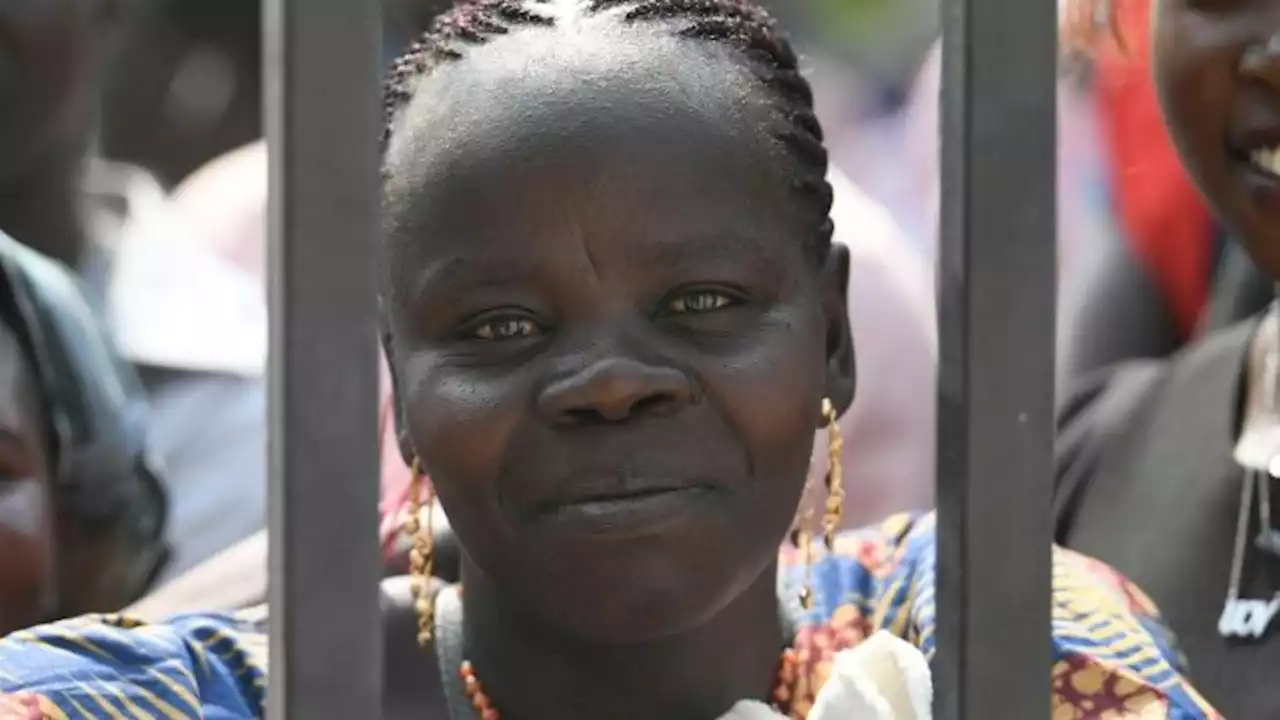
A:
<point x="835" y="475"/>
<point x="801" y="534"/>
<point x="802" y="539"/>
<point x="422" y="554"/>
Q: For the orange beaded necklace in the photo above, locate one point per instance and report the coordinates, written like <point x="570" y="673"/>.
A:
<point x="782" y="692"/>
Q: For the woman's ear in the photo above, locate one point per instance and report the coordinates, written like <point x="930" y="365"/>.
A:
<point x="402" y="426"/>
<point x="841" y="367"/>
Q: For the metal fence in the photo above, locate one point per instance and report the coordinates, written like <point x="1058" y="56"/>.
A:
<point x="323" y="117"/>
<point x="995" y="375"/>
<point x="996" y="300"/>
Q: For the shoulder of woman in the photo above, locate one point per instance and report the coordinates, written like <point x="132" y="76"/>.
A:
<point x="188" y="667"/>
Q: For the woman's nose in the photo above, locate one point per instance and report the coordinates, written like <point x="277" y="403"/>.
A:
<point x="614" y="390"/>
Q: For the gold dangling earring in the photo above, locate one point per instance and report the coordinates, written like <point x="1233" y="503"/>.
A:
<point x="421" y="555"/>
<point x="802" y="539"/>
<point x="835" y="476"/>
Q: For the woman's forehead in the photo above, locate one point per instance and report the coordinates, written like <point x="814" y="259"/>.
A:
<point x="627" y="205"/>
<point x="543" y="83"/>
<point x="622" y="136"/>
<point x="630" y="189"/>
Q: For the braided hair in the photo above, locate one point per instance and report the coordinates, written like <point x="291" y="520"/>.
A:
<point x="739" y="24"/>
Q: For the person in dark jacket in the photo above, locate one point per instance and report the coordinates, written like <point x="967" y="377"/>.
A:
<point x="1166" y="467"/>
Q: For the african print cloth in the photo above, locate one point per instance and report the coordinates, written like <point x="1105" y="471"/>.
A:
<point x="1112" y="658"/>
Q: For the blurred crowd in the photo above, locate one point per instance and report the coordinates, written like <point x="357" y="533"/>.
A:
<point x="133" y="196"/>
<point x="135" y="159"/>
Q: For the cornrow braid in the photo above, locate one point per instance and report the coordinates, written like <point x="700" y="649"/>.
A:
<point x="755" y="34"/>
<point x="740" y="24"/>
<point x="473" y="22"/>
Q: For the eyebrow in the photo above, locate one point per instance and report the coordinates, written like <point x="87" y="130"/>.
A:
<point x="446" y="275"/>
<point x="733" y="247"/>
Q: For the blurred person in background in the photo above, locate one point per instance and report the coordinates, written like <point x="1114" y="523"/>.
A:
<point x="1170" y="274"/>
<point x="1166" y="466"/>
<point x="1143" y="268"/>
<point x="179" y="314"/>
<point x="82" y="508"/>
<point x="51" y="58"/>
<point x="186" y="85"/>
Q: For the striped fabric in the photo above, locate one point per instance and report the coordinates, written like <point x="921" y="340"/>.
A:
<point x="1112" y="657"/>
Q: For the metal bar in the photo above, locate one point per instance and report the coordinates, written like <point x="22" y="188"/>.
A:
<point x="995" y="383"/>
<point x="323" y="115"/>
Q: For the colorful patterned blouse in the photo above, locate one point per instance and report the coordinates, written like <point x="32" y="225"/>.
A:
<point x="1112" y="658"/>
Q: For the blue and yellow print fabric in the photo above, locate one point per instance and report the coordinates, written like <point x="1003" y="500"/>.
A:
<point x="1112" y="656"/>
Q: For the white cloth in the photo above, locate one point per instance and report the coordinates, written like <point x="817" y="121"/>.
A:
<point x="211" y="431"/>
<point x="196" y="327"/>
<point x="883" y="678"/>
<point x="174" y="302"/>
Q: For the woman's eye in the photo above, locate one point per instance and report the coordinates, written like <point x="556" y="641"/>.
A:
<point x="700" y="301"/>
<point x="508" y="328"/>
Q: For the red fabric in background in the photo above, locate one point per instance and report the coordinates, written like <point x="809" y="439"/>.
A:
<point x="1163" y="216"/>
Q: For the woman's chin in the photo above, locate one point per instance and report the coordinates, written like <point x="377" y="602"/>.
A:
<point x="629" y="596"/>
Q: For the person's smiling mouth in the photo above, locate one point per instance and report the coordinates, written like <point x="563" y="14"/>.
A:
<point x="1256" y="155"/>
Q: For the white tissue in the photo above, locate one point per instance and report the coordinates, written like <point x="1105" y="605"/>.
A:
<point x="751" y="710"/>
<point x="883" y="678"/>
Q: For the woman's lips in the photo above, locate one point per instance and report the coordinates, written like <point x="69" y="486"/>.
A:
<point x="642" y="509"/>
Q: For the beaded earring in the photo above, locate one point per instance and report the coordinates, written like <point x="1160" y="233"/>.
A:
<point x="802" y="535"/>
<point x="422" y="554"/>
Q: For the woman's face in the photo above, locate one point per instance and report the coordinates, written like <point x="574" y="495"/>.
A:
<point x="609" y="338"/>
<point x="26" y="528"/>
<point x="50" y="59"/>
<point x="1219" y="83"/>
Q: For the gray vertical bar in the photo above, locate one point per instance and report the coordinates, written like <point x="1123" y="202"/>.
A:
<point x="995" y="385"/>
<point x="323" y="105"/>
